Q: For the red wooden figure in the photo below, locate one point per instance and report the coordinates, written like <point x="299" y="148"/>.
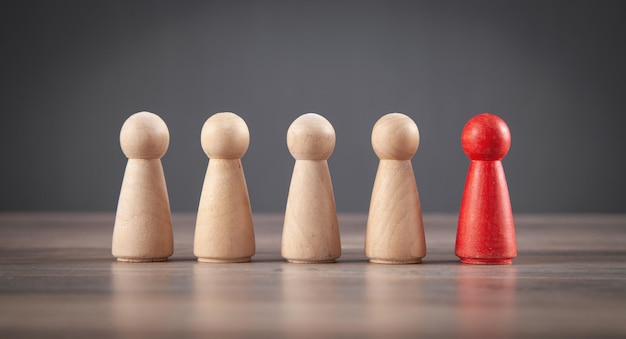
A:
<point x="486" y="234"/>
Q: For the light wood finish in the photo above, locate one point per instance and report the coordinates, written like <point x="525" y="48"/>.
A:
<point x="143" y="223"/>
<point x="311" y="229"/>
<point x="224" y="229"/>
<point x="395" y="229"/>
<point x="58" y="280"/>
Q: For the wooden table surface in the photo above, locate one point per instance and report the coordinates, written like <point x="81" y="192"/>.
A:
<point x="58" y="279"/>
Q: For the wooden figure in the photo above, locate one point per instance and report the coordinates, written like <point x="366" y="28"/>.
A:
<point x="395" y="230"/>
<point x="486" y="234"/>
<point x="311" y="229"/>
<point x="143" y="222"/>
<point x="224" y="230"/>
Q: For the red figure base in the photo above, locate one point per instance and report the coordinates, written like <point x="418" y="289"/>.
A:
<point x="477" y="261"/>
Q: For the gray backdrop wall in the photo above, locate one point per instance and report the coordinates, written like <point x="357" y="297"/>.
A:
<point x="73" y="71"/>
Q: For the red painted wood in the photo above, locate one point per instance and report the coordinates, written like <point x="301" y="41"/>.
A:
<point x="486" y="233"/>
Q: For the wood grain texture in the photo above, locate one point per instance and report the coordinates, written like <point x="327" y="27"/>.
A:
<point x="311" y="229"/>
<point x="143" y="224"/>
<point x="224" y="228"/>
<point x="395" y="229"/>
<point x="59" y="280"/>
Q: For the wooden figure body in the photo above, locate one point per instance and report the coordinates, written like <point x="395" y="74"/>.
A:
<point x="395" y="230"/>
<point x="486" y="233"/>
<point x="311" y="229"/>
<point x="143" y="223"/>
<point x="224" y="229"/>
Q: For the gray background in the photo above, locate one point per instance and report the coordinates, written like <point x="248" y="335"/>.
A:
<point x="73" y="71"/>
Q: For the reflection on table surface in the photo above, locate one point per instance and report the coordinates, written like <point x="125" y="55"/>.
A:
<point x="58" y="279"/>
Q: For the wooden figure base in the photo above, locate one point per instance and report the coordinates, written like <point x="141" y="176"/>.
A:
<point x="223" y="261"/>
<point x="396" y="261"/>
<point x="304" y="261"/>
<point x="479" y="261"/>
<point x="142" y="259"/>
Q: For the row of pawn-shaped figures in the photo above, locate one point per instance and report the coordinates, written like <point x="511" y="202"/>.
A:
<point x="395" y="233"/>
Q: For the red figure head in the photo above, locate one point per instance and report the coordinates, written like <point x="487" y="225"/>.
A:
<point x="486" y="137"/>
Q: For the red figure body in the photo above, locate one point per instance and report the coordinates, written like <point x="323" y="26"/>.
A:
<point x="486" y="233"/>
